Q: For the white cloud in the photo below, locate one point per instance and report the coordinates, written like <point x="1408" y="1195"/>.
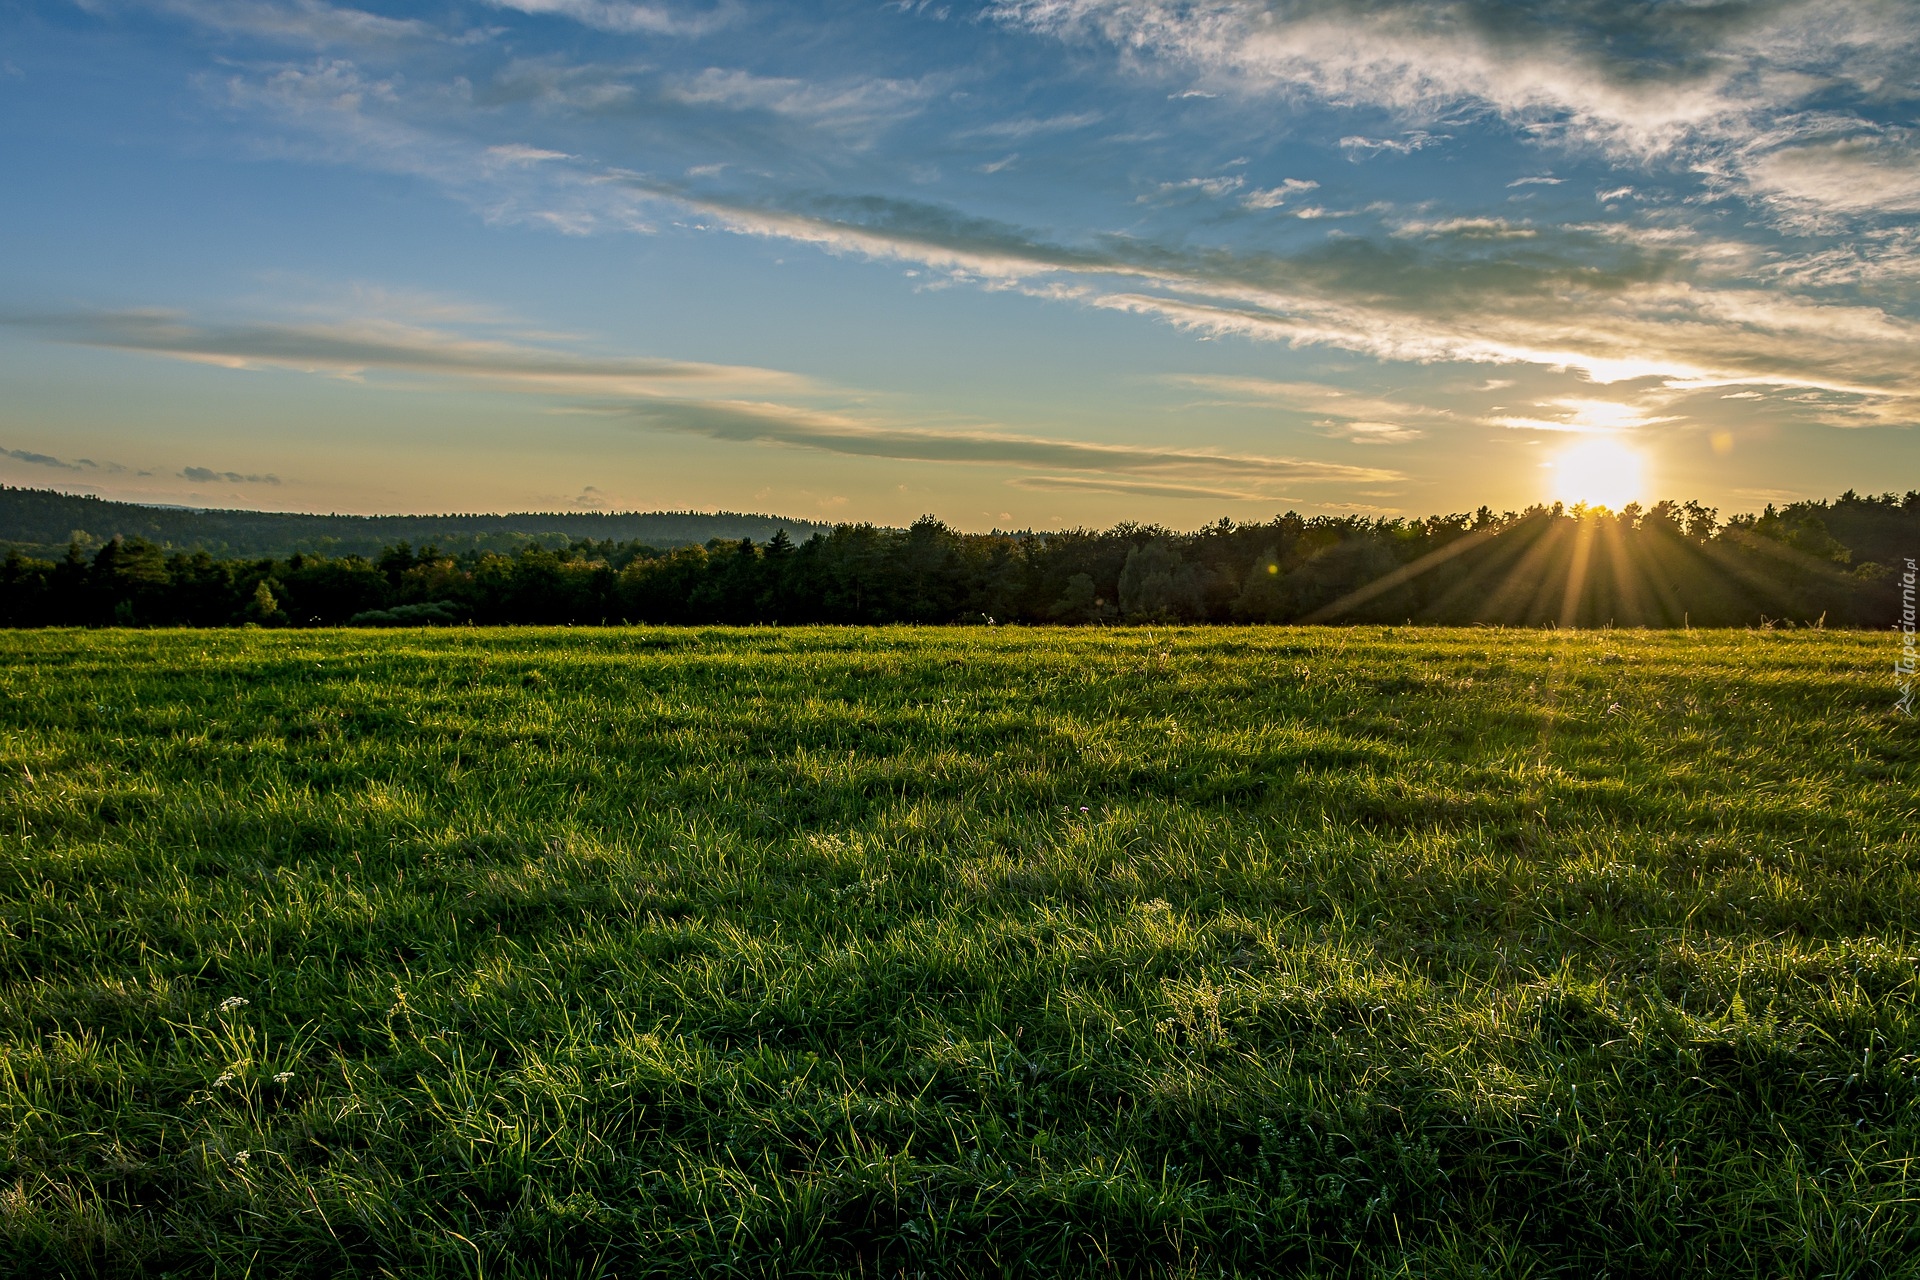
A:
<point x="1466" y="229"/>
<point x="1875" y="173"/>
<point x="517" y="153"/>
<point x="1032" y="126"/>
<point x="1311" y="398"/>
<point x="1674" y="331"/>
<point x="1216" y="491"/>
<point x="859" y="102"/>
<point x="301" y="22"/>
<point x="1363" y="432"/>
<point x="1703" y="84"/>
<point x="630" y="18"/>
<point x="376" y="343"/>
<point x="676" y="395"/>
<point x="1103" y="464"/>
<point x="1608" y="301"/>
<point x="1274" y="197"/>
<point x="1582" y="415"/>
<point x="1338" y="411"/>
<point x="1415" y="141"/>
<point x="1215" y="187"/>
<point x="330" y="110"/>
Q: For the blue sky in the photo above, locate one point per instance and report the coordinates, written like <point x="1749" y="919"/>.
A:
<point x="1028" y="263"/>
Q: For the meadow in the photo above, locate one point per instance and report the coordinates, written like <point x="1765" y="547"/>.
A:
<point x="958" y="951"/>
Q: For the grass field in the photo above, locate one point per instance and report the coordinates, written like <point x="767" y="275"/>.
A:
<point x="938" y="952"/>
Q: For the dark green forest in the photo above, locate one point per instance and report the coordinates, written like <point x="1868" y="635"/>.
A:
<point x="1836" y="564"/>
<point x="42" y="522"/>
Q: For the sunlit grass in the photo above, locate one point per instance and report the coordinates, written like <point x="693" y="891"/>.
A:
<point x="957" y="951"/>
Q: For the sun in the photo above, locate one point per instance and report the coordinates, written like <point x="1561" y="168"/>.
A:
<point x="1600" y="472"/>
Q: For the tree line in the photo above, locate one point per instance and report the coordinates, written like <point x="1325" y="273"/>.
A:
<point x="41" y="522"/>
<point x="1672" y="564"/>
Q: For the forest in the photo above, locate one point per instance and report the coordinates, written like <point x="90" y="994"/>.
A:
<point x="1814" y="563"/>
<point x="42" y="522"/>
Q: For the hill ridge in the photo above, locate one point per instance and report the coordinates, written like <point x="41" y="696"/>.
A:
<point x="46" y="520"/>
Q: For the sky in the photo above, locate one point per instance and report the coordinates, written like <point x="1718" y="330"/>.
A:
<point x="1013" y="263"/>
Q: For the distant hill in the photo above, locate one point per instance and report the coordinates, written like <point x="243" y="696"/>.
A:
<point x="43" y="522"/>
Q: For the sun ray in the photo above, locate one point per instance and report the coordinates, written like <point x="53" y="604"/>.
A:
<point x="1572" y="596"/>
<point x="1625" y="578"/>
<point x="1405" y="573"/>
<point x="1519" y="590"/>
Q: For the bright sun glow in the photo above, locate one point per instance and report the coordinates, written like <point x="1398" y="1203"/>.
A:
<point x="1599" y="472"/>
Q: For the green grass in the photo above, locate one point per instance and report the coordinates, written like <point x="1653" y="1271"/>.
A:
<point x="806" y="952"/>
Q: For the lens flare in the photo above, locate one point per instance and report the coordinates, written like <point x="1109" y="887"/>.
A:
<point x="1599" y="472"/>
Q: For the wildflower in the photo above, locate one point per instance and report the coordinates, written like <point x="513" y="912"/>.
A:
<point x="240" y="1157"/>
<point x="226" y="1078"/>
<point x="283" y="1077"/>
<point x="233" y="1002"/>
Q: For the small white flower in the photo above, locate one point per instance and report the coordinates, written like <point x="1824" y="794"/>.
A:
<point x="233" y="1002"/>
<point x="226" y="1078"/>
<point x="241" y="1157"/>
<point x="283" y="1077"/>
